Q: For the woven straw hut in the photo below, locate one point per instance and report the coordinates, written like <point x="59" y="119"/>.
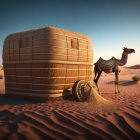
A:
<point x="46" y="62"/>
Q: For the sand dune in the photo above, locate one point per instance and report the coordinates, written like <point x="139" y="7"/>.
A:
<point x="69" y="119"/>
<point x="134" y="67"/>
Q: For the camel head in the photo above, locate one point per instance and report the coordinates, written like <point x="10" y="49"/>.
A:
<point x="128" y="51"/>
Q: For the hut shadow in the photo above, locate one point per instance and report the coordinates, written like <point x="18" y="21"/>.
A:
<point x="67" y="95"/>
<point x="13" y="100"/>
<point x="8" y="100"/>
<point x="123" y="83"/>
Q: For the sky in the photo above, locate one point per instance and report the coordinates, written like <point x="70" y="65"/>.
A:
<point x="110" y="24"/>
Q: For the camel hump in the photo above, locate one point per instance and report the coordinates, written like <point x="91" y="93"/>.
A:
<point x="106" y="63"/>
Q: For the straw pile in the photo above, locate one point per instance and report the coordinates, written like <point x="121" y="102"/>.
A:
<point x="95" y="102"/>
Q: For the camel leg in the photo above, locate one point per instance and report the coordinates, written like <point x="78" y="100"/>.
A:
<point x="95" y="75"/>
<point x="96" y="80"/>
<point x="95" y="72"/>
<point x="117" y="83"/>
<point x="116" y="90"/>
<point x="98" y="76"/>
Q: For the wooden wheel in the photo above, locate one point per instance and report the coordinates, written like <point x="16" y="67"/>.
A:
<point x="81" y="89"/>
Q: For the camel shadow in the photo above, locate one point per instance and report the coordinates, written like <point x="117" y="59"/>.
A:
<point x="123" y="83"/>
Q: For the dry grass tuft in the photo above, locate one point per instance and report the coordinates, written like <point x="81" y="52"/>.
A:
<point x="1" y="76"/>
<point x="136" y="78"/>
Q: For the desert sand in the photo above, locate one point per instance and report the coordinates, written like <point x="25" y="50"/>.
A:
<point x="69" y="119"/>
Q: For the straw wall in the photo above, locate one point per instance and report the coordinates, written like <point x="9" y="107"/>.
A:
<point x="46" y="62"/>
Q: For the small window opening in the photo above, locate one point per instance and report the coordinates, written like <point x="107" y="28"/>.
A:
<point x="23" y="42"/>
<point x="74" y="43"/>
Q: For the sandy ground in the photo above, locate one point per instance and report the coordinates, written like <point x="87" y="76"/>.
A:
<point x="69" y="119"/>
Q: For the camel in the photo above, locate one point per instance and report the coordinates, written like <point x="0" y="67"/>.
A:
<point x="112" y="65"/>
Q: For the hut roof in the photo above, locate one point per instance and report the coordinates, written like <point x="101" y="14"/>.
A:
<point x="44" y="30"/>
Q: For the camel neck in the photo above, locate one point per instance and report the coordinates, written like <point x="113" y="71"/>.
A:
<point x="123" y="60"/>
